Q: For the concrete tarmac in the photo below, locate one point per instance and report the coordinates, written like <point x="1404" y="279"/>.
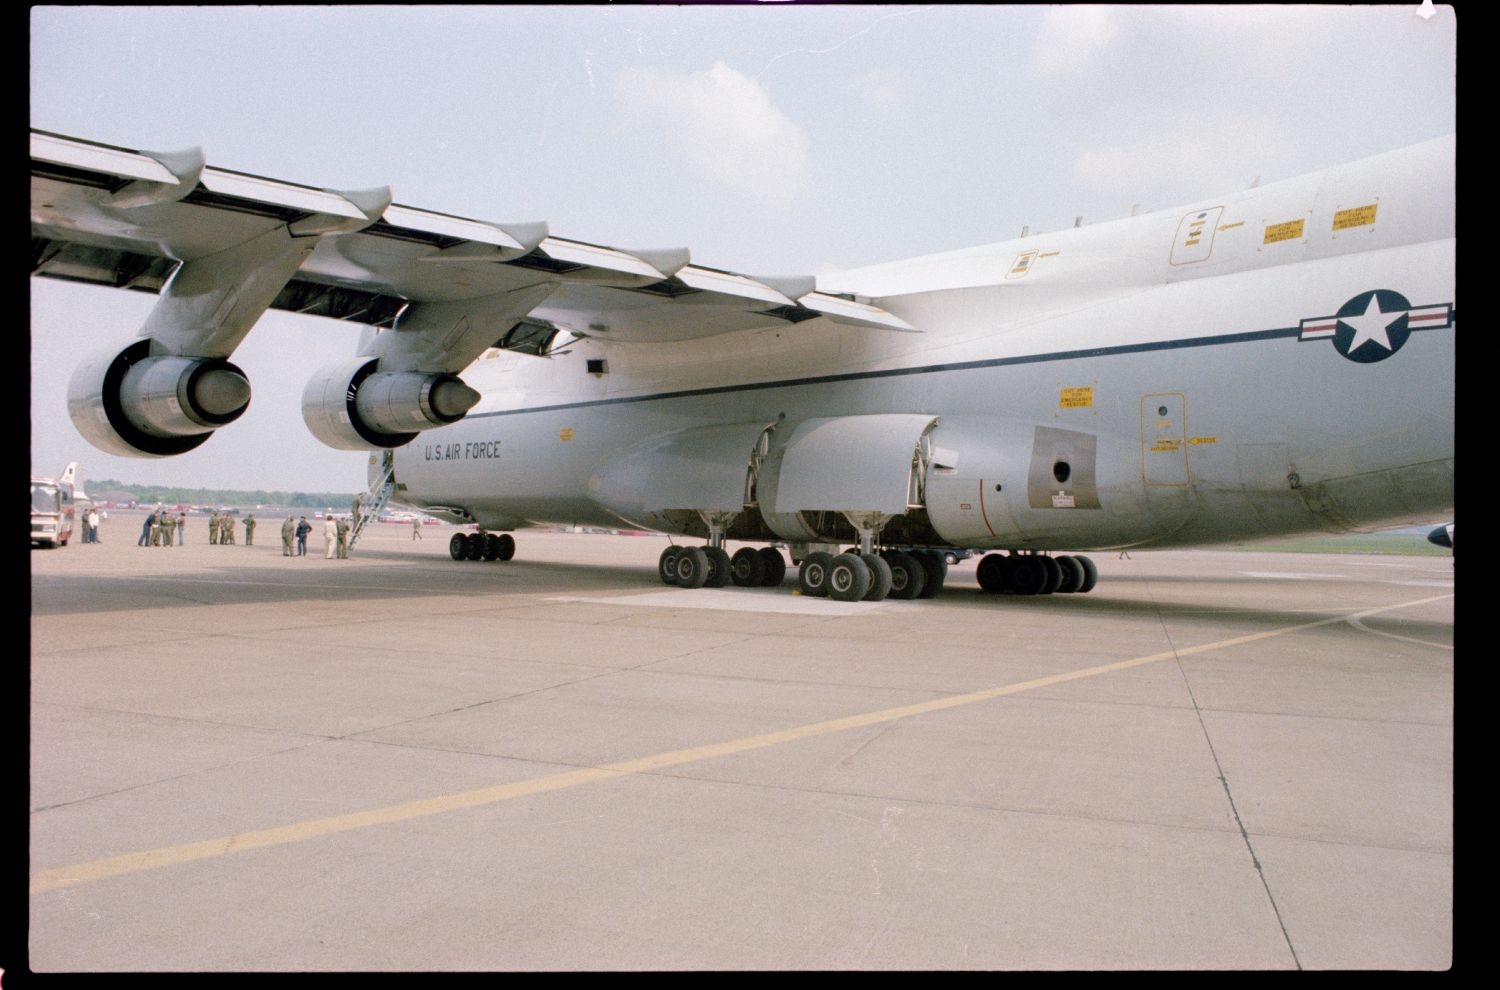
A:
<point x="247" y="762"/>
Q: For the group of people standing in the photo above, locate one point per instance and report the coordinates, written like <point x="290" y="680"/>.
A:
<point x="336" y="533"/>
<point x="221" y="528"/>
<point x="160" y="525"/>
<point x="91" y="520"/>
<point x="158" y="528"/>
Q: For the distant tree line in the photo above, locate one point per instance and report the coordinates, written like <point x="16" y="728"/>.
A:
<point x="108" y="488"/>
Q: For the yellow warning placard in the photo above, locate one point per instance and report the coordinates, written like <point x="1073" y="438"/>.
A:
<point x="1076" y="398"/>
<point x="1289" y="231"/>
<point x="565" y="434"/>
<point x="1204" y="440"/>
<point x="1357" y="216"/>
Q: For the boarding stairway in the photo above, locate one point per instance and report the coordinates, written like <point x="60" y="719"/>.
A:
<point x="369" y="505"/>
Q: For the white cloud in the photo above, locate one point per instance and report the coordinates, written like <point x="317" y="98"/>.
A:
<point x="724" y="126"/>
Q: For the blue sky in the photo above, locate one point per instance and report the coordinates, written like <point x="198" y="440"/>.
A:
<point x="769" y="139"/>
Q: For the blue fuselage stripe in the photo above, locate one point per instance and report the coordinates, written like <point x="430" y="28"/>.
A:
<point x="1078" y="355"/>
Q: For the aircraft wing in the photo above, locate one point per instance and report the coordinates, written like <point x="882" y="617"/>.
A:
<point x="131" y="219"/>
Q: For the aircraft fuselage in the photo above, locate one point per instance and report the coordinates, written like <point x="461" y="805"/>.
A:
<point x="1276" y="361"/>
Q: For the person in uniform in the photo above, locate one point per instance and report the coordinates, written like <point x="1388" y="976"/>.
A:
<point x="227" y="536"/>
<point x="288" y="534"/>
<point x="416" y="529"/>
<point x="181" y="528"/>
<point x="344" y="528"/>
<point x="250" y="529"/>
<point x="213" y="527"/>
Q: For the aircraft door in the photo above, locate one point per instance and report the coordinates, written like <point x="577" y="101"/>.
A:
<point x="1164" y="439"/>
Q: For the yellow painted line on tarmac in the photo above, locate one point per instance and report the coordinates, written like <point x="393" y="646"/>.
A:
<point x="113" y="866"/>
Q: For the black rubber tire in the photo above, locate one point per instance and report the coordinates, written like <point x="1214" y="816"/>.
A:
<point x="1073" y="575"/>
<point x="1027" y="575"/>
<point x="812" y="576"/>
<point x="747" y="568"/>
<point x="718" y="567"/>
<point x="505" y="547"/>
<point x="666" y="565"/>
<point x="880" y="577"/>
<point x="848" y="578"/>
<point x="692" y="568"/>
<point x="489" y="547"/>
<point x="775" y="567"/>
<point x="937" y="572"/>
<point x="1090" y="575"/>
<point x="475" y="546"/>
<point x="1054" y="574"/>
<point x="991" y="572"/>
<point x="458" y="547"/>
<point x="908" y="576"/>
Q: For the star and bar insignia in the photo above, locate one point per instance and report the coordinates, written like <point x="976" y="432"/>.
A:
<point x="1375" y="324"/>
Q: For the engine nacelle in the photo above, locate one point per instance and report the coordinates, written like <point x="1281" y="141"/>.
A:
<point x="353" y="405"/>
<point x="138" y="405"/>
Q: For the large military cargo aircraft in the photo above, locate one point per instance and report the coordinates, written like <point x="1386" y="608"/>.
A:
<point x="1273" y="361"/>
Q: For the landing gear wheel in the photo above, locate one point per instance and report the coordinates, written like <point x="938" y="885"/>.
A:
<point x="747" y="568"/>
<point x="474" y="546"/>
<point x="848" y="578"/>
<point x="692" y="567"/>
<point x="1072" y="574"/>
<point x="458" y="547"/>
<point x="1027" y="575"/>
<point x="812" y="576"/>
<point x="666" y="565"/>
<point x="775" y="567"/>
<point x="937" y="572"/>
<point x="908" y="576"/>
<point x="1090" y="575"/>
<point x="718" y="567"/>
<point x="489" y="547"/>
<point x="993" y="572"/>
<point x="505" y="546"/>
<point x="1054" y="574"/>
<point x="880" y="577"/>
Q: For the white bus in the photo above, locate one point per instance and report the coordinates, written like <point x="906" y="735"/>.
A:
<point x="52" y="509"/>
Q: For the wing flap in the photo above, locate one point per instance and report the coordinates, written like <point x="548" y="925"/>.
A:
<point x="119" y="217"/>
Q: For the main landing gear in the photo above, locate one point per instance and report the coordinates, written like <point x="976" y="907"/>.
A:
<point x="848" y="577"/>
<point x="482" y="546"/>
<point x="712" y="567"/>
<point x="869" y="577"/>
<point x="1033" y="574"/>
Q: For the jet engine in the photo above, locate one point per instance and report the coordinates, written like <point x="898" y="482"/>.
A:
<point x="135" y="404"/>
<point x="355" y="406"/>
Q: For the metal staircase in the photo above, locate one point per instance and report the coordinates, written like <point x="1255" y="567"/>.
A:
<point x="372" y="502"/>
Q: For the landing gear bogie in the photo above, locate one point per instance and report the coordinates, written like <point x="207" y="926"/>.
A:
<point x="1036" y="574"/>
<point x="482" y="546"/>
